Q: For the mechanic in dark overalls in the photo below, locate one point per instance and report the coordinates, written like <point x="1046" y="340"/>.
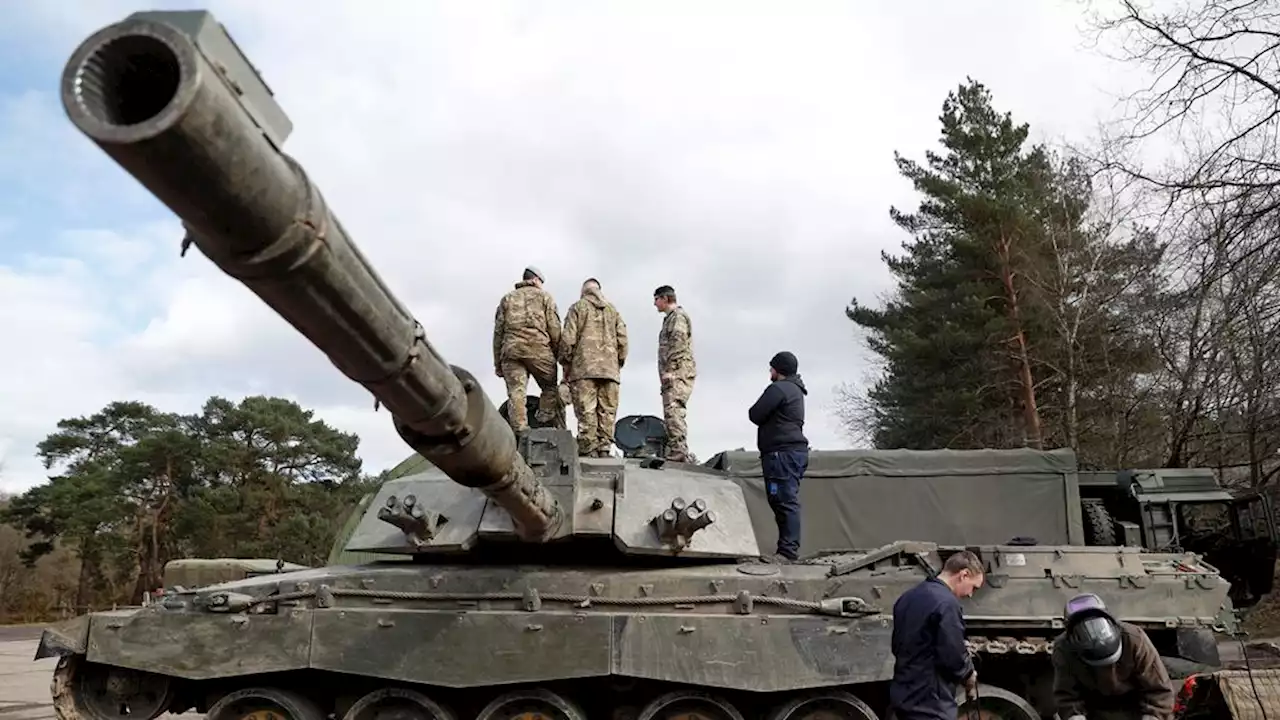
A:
<point x="930" y="659"/>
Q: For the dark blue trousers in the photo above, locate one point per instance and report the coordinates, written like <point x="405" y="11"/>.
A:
<point x="782" y="472"/>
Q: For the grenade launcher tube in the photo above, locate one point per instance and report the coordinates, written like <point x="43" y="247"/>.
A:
<point x="144" y="93"/>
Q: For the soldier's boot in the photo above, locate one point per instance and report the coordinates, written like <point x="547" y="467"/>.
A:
<point x="676" y="448"/>
<point x="548" y="419"/>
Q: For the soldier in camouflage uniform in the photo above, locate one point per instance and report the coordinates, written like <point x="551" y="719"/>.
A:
<point x="676" y="371"/>
<point x="593" y="349"/>
<point x="526" y="339"/>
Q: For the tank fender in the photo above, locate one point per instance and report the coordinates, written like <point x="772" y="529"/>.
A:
<point x="70" y="637"/>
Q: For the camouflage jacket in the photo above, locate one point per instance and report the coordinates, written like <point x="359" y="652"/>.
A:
<point x="526" y="325"/>
<point x="675" y="346"/>
<point x="594" y="342"/>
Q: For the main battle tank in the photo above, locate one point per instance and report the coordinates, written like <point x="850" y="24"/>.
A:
<point x="540" y="584"/>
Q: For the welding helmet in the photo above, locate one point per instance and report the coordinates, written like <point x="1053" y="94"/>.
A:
<point x="1091" y="633"/>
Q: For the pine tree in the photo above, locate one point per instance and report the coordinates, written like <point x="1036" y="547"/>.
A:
<point x="955" y="338"/>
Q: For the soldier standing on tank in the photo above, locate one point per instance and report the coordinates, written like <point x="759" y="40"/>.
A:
<point x="593" y="349"/>
<point x="1104" y="669"/>
<point x="526" y="340"/>
<point x="784" y="450"/>
<point x="676" y="371"/>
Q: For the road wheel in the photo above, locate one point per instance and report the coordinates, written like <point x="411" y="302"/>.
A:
<point x="535" y="704"/>
<point x="995" y="703"/>
<point x="824" y="705"/>
<point x="265" y="703"/>
<point x="397" y="704"/>
<point x="682" y="705"/>
<point x="84" y="690"/>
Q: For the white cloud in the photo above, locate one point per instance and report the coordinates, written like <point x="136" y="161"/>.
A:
<point x="740" y="152"/>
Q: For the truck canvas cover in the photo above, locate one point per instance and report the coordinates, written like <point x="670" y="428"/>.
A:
<point x="862" y="499"/>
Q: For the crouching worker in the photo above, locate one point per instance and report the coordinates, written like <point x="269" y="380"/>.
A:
<point x="1104" y="669"/>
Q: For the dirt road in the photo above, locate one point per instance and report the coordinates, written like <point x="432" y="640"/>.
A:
<point x="24" y="685"/>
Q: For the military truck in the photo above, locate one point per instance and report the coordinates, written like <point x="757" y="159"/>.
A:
<point x="1185" y="509"/>
<point x="541" y="584"/>
<point x="992" y="496"/>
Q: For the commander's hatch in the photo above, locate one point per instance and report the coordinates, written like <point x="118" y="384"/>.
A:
<point x="640" y="436"/>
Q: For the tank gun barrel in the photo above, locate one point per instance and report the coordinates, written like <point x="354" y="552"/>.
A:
<point x="169" y="97"/>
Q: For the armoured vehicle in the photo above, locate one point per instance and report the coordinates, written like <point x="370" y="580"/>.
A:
<point x="540" y="584"/>
<point x="1008" y="493"/>
<point x="1185" y="509"/>
<point x="1043" y="495"/>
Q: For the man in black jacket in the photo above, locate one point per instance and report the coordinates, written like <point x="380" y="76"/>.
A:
<point x="930" y="659"/>
<point x="784" y="450"/>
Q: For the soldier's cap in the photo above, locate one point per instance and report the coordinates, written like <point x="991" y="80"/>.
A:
<point x="531" y="270"/>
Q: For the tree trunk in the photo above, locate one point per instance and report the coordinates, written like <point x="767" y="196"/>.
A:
<point x="1031" y="415"/>
<point x="84" y="583"/>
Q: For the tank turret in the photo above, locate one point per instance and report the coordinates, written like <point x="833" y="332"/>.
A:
<point x="672" y="509"/>
<point x="170" y="98"/>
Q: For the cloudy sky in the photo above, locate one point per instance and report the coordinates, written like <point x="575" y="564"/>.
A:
<point x="740" y="152"/>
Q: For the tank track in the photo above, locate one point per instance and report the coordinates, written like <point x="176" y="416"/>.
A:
<point x="1008" y="645"/>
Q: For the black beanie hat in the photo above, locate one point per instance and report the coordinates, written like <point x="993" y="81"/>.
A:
<point x="785" y="363"/>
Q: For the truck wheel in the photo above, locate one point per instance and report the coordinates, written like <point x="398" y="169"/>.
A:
<point x="1099" y="528"/>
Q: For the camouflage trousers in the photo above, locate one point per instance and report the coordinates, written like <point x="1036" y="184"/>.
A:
<point x="516" y="373"/>
<point x="595" y="403"/>
<point x="675" y="399"/>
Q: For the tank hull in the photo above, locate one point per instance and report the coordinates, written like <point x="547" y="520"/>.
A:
<point x="754" y="634"/>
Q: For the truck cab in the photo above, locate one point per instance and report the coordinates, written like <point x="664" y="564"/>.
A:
<point x="1177" y="509"/>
